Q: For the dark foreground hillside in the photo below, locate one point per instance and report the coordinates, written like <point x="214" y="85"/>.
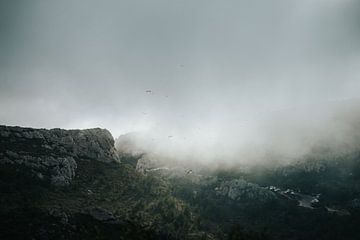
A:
<point x="58" y="184"/>
<point x="97" y="197"/>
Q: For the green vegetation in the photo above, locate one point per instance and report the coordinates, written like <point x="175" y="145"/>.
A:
<point x="156" y="206"/>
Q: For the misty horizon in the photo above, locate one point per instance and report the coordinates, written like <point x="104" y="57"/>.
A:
<point x="201" y="78"/>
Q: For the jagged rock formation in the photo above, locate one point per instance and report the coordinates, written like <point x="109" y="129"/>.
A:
<point x="107" y="200"/>
<point x="239" y="189"/>
<point x="51" y="154"/>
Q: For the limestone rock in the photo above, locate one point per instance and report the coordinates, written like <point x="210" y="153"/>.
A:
<point x="51" y="154"/>
<point x="239" y="189"/>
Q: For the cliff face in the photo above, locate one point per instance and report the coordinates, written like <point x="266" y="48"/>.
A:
<point x="107" y="199"/>
<point x="51" y="154"/>
<point x="239" y="189"/>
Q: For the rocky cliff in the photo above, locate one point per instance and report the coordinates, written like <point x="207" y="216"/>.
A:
<point x="106" y="198"/>
<point x="239" y="189"/>
<point x="50" y="155"/>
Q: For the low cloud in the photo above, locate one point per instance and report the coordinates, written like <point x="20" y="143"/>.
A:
<point x="211" y="79"/>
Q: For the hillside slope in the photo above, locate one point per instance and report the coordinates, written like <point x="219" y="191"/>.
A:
<point x="58" y="184"/>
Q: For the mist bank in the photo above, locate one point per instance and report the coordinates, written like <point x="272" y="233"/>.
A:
<point x="281" y="137"/>
<point x="205" y="62"/>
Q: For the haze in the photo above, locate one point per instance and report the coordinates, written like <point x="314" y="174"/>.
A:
<point x="188" y="76"/>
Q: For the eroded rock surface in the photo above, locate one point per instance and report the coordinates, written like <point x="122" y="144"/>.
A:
<point x="239" y="189"/>
<point x="51" y="154"/>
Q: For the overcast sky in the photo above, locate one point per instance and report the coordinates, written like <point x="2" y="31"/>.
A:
<point x="209" y="64"/>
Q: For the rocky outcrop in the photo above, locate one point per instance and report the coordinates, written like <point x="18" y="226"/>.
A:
<point x="239" y="189"/>
<point x="51" y="154"/>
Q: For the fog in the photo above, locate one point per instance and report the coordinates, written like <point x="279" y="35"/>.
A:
<point x="205" y="80"/>
<point x="280" y="137"/>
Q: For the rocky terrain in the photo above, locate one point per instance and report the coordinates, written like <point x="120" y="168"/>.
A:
<point x="239" y="189"/>
<point x="74" y="184"/>
<point x="51" y="154"/>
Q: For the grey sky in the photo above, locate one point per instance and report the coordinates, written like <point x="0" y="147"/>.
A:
<point x="210" y="64"/>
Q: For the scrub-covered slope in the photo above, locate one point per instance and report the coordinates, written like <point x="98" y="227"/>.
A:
<point x="71" y="184"/>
